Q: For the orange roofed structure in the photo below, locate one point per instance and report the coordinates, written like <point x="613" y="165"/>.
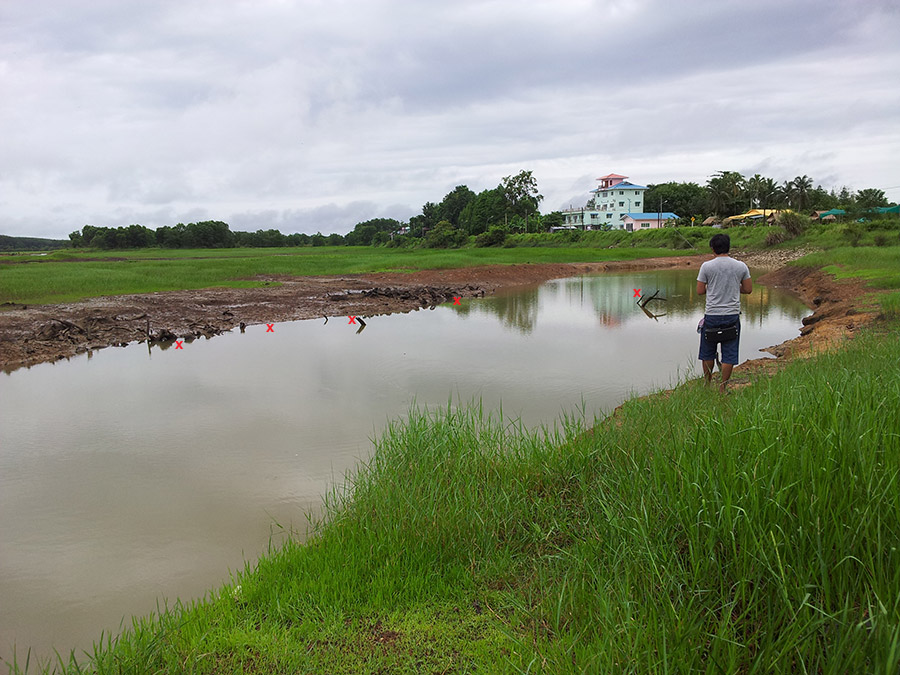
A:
<point x="607" y="182"/>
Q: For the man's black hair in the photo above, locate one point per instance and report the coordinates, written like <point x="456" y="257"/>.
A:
<point x="720" y="243"/>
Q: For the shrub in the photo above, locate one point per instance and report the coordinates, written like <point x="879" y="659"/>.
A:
<point x="793" y="223"/>
<point x="776" y="237"/>
<point x="881" y="239"/>
<point x="495" y="236"/>
<point x="854" y="232"/>
<point x="444" y="235"/>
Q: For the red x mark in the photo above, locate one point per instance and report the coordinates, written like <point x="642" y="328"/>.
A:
<point x="456" y="300"/>
<point x="637" y="293"/>
<point x="178" y="344"/>
<point x="352" y="319"/>
<point x="270" y="327"/>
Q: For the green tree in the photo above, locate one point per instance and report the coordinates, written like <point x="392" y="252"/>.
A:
<point x="870" y="198"/>
<point x="366" y="233"/>
<point x="798" y="191"/>
<point x="521" y="193"/>
<point x="552" y="219"/>
<point x="725" y="191"/>
<point x="444" y="235"/>
<point x="488" y="208"/>
<point x="453" y="204"/>
<point x="683" y="199"/>
<point x="822" y="200"/>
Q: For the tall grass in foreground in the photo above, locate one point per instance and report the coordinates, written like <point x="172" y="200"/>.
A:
<point x="752" y="533"/>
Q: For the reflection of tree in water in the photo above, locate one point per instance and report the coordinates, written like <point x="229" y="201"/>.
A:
<point x="611" y="298"/>
<point x="517" y="310"/>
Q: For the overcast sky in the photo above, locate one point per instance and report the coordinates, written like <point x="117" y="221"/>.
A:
<point x="313" y="115"/>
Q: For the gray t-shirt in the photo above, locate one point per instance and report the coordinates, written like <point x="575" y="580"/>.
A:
<point x="723" y="276"/>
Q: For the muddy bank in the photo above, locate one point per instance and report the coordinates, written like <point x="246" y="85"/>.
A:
<point x="31" y="335"/>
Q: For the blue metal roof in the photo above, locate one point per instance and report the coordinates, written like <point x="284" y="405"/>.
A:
<point x="650" y="216"/>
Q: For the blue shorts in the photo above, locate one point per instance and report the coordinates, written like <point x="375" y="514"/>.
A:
<point x="730" y="348"/>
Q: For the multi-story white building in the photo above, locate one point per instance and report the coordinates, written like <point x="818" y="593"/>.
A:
<point x="613" y="198"/>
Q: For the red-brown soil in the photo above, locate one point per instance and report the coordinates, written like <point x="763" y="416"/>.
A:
<point x="30" y="335"/>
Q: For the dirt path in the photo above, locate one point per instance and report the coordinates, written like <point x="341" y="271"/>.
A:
<point x="31" y="335"/>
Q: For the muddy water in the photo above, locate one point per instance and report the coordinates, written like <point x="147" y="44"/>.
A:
<point x="141" y="474"/>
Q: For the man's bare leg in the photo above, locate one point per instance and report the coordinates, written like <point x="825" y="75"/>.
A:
<point x="726" y="374"/>
<point x="708" y="367"/>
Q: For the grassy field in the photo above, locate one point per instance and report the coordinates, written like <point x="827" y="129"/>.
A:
<point x="753" y="533"/>
<point x="66" y="276"/>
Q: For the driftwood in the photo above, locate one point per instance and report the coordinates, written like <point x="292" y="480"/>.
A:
<point x="642" y="303"/>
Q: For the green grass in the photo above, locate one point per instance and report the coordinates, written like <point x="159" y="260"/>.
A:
<point x="685" y="238"/>
<point x="752" y="533"/>
<point x="880" y="266"/>
<point x="67" y="276"/>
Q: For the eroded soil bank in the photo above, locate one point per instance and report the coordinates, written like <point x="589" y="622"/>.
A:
<point x="31" y="335"/>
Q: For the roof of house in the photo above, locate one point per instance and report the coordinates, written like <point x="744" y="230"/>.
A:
<point x="612" y="175"/>
<point x="624" y="185"/>
<point x="650" y="216"/>
<point x="754" y="213"/>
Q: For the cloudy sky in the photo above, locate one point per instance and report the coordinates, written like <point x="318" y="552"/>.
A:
<point x="313" y="115"/>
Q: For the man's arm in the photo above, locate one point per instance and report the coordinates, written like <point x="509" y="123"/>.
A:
<point x="701" y="287"/>
<point x="747" y="286"/>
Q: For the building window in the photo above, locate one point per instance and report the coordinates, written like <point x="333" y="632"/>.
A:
<point x="594" y="216"/>
<point x="621" y="192"/>
<point x="645" y="224"/>
<point x="609" y="215"/>
<point x="637" y="203"/>
<point x="621" y="203"/>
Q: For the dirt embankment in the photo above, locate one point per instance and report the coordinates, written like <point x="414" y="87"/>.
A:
<point x="30" y="335"/>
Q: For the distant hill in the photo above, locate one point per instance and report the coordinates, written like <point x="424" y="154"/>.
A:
<point x="30" y="243"/>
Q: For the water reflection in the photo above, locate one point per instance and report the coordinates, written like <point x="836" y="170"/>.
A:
<point x="517" y="310"/>
<point x="615" y="298"/>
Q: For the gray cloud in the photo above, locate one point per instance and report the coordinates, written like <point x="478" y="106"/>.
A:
<point x="315" y="115"/>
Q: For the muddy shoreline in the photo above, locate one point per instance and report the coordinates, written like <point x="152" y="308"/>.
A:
<point x="47" y="333"/>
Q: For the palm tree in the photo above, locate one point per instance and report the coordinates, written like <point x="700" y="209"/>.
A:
<point x="768" y="193"/>
<point x="725" y="190"/>
<point x="751" y="189"/>
<point x="787" y="193"/>
<point x="801" y="187"/>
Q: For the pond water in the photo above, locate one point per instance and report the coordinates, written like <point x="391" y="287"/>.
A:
<point x="143" y="474"/>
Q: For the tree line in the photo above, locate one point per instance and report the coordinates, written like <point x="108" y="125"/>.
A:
<point x="511" y="206"/>
<point x="489" y="216"/>
<point x="729" y="193"/>
<point x="205" y="234"/>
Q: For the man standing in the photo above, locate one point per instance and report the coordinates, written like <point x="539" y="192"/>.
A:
<point x="722" y="280"/>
